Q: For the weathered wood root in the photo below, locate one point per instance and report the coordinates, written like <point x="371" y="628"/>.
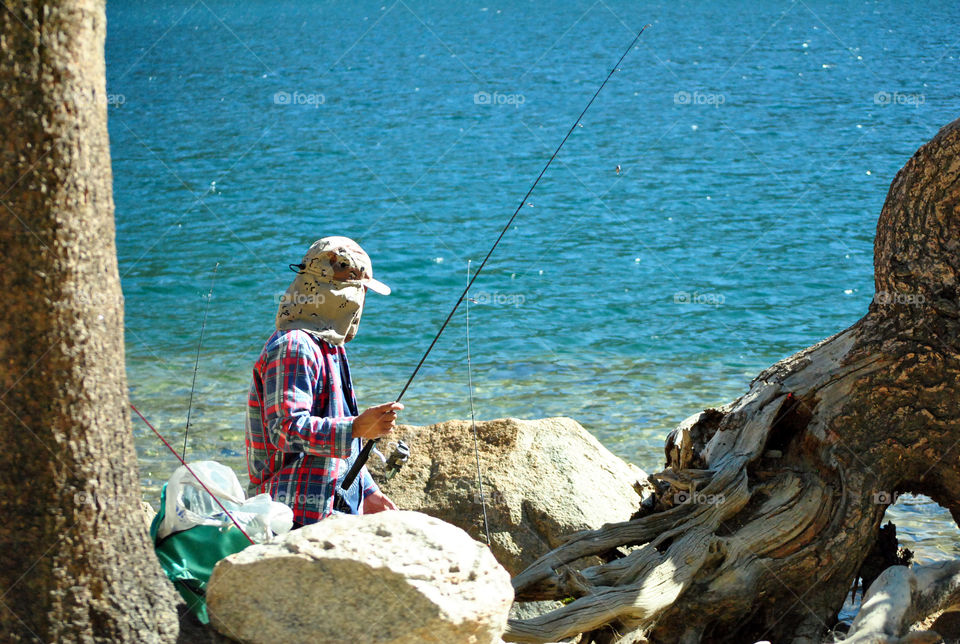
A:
<point x="902" y="596"/>
<point x="690" y="537"/>
<point x="886" y="552"/>
<point x="767" y="507"/>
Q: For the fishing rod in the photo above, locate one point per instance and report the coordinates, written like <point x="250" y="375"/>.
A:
<point x="473" y="419"/>
<point x="182" y="456"/>
<point x="196" y="364"/>
<point x="365" y="452"/>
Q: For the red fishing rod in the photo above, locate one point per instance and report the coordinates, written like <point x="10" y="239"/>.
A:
<point x="192" y="473"/>
<point x="365" y="452"/>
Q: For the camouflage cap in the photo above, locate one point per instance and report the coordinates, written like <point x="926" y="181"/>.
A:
<point x="340" y="260"/>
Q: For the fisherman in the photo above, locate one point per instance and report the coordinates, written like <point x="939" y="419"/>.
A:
<point x="303" y="425"/>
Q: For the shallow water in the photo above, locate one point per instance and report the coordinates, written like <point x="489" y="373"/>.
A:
<point x="755" y="146"/>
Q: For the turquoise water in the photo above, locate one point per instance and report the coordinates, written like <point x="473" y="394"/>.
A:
<point x="755" y="142"/>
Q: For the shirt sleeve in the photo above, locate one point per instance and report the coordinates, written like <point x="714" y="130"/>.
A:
<point x="367" y="484"/>
<point x="292" y="377"/>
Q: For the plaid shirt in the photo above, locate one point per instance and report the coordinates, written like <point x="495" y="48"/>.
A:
<point x="299" y="431"/>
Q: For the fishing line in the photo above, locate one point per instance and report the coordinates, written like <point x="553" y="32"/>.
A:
<point x="192" y="473"/>
<point x="196" y="364"/>
<point x="473" y="418"/>
<point x="365" y="452"/>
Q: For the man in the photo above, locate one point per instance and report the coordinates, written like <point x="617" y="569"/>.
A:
<point x="303" y="428"/>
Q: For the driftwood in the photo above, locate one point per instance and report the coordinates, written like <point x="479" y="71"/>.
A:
<point x="902" y="596"/>
<point x="767" y="506"/>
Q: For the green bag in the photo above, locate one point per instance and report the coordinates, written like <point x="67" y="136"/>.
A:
<point x="188" y="557"/>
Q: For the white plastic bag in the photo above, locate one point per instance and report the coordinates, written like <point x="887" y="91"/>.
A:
<point x="189" y="505"/>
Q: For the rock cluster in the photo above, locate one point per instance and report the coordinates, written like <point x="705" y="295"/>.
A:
<point x="542" y="480"/>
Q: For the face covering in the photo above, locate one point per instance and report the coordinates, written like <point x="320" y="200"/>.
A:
<point x="326" y="297"/>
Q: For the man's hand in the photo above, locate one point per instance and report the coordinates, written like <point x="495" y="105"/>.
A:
<point x="376" y="422"/>
<point x="378" y="502"/>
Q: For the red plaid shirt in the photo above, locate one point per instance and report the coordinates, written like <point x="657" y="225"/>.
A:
<point x="299" y="431"/>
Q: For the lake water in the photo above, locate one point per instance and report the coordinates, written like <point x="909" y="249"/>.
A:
<point x="755" y="144"/>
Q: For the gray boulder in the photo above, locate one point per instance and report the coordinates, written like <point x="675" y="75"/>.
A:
<point x="393" y="577"/>
<point x="543" y="480"/>
<point x="147" y="512"/>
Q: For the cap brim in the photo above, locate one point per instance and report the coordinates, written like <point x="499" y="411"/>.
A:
<point x="376" y="286"/>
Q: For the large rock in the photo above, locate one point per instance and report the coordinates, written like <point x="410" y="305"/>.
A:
<point x="393" y="577"/>
<point x="542" y="479"/>
<point x="147" y="512"/>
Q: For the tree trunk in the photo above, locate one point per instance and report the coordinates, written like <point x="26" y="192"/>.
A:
<point x="76" y="563"/>
<point x="768" y="506"/>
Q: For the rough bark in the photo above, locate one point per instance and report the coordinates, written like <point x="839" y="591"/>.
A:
<point x="75" y="559"/>
<point x="769" y="505"/>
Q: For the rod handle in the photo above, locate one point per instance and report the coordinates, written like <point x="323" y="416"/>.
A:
<point x="357" y="465"/>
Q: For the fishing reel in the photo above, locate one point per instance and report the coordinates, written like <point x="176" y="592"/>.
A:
<point x="399" y="456"/>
